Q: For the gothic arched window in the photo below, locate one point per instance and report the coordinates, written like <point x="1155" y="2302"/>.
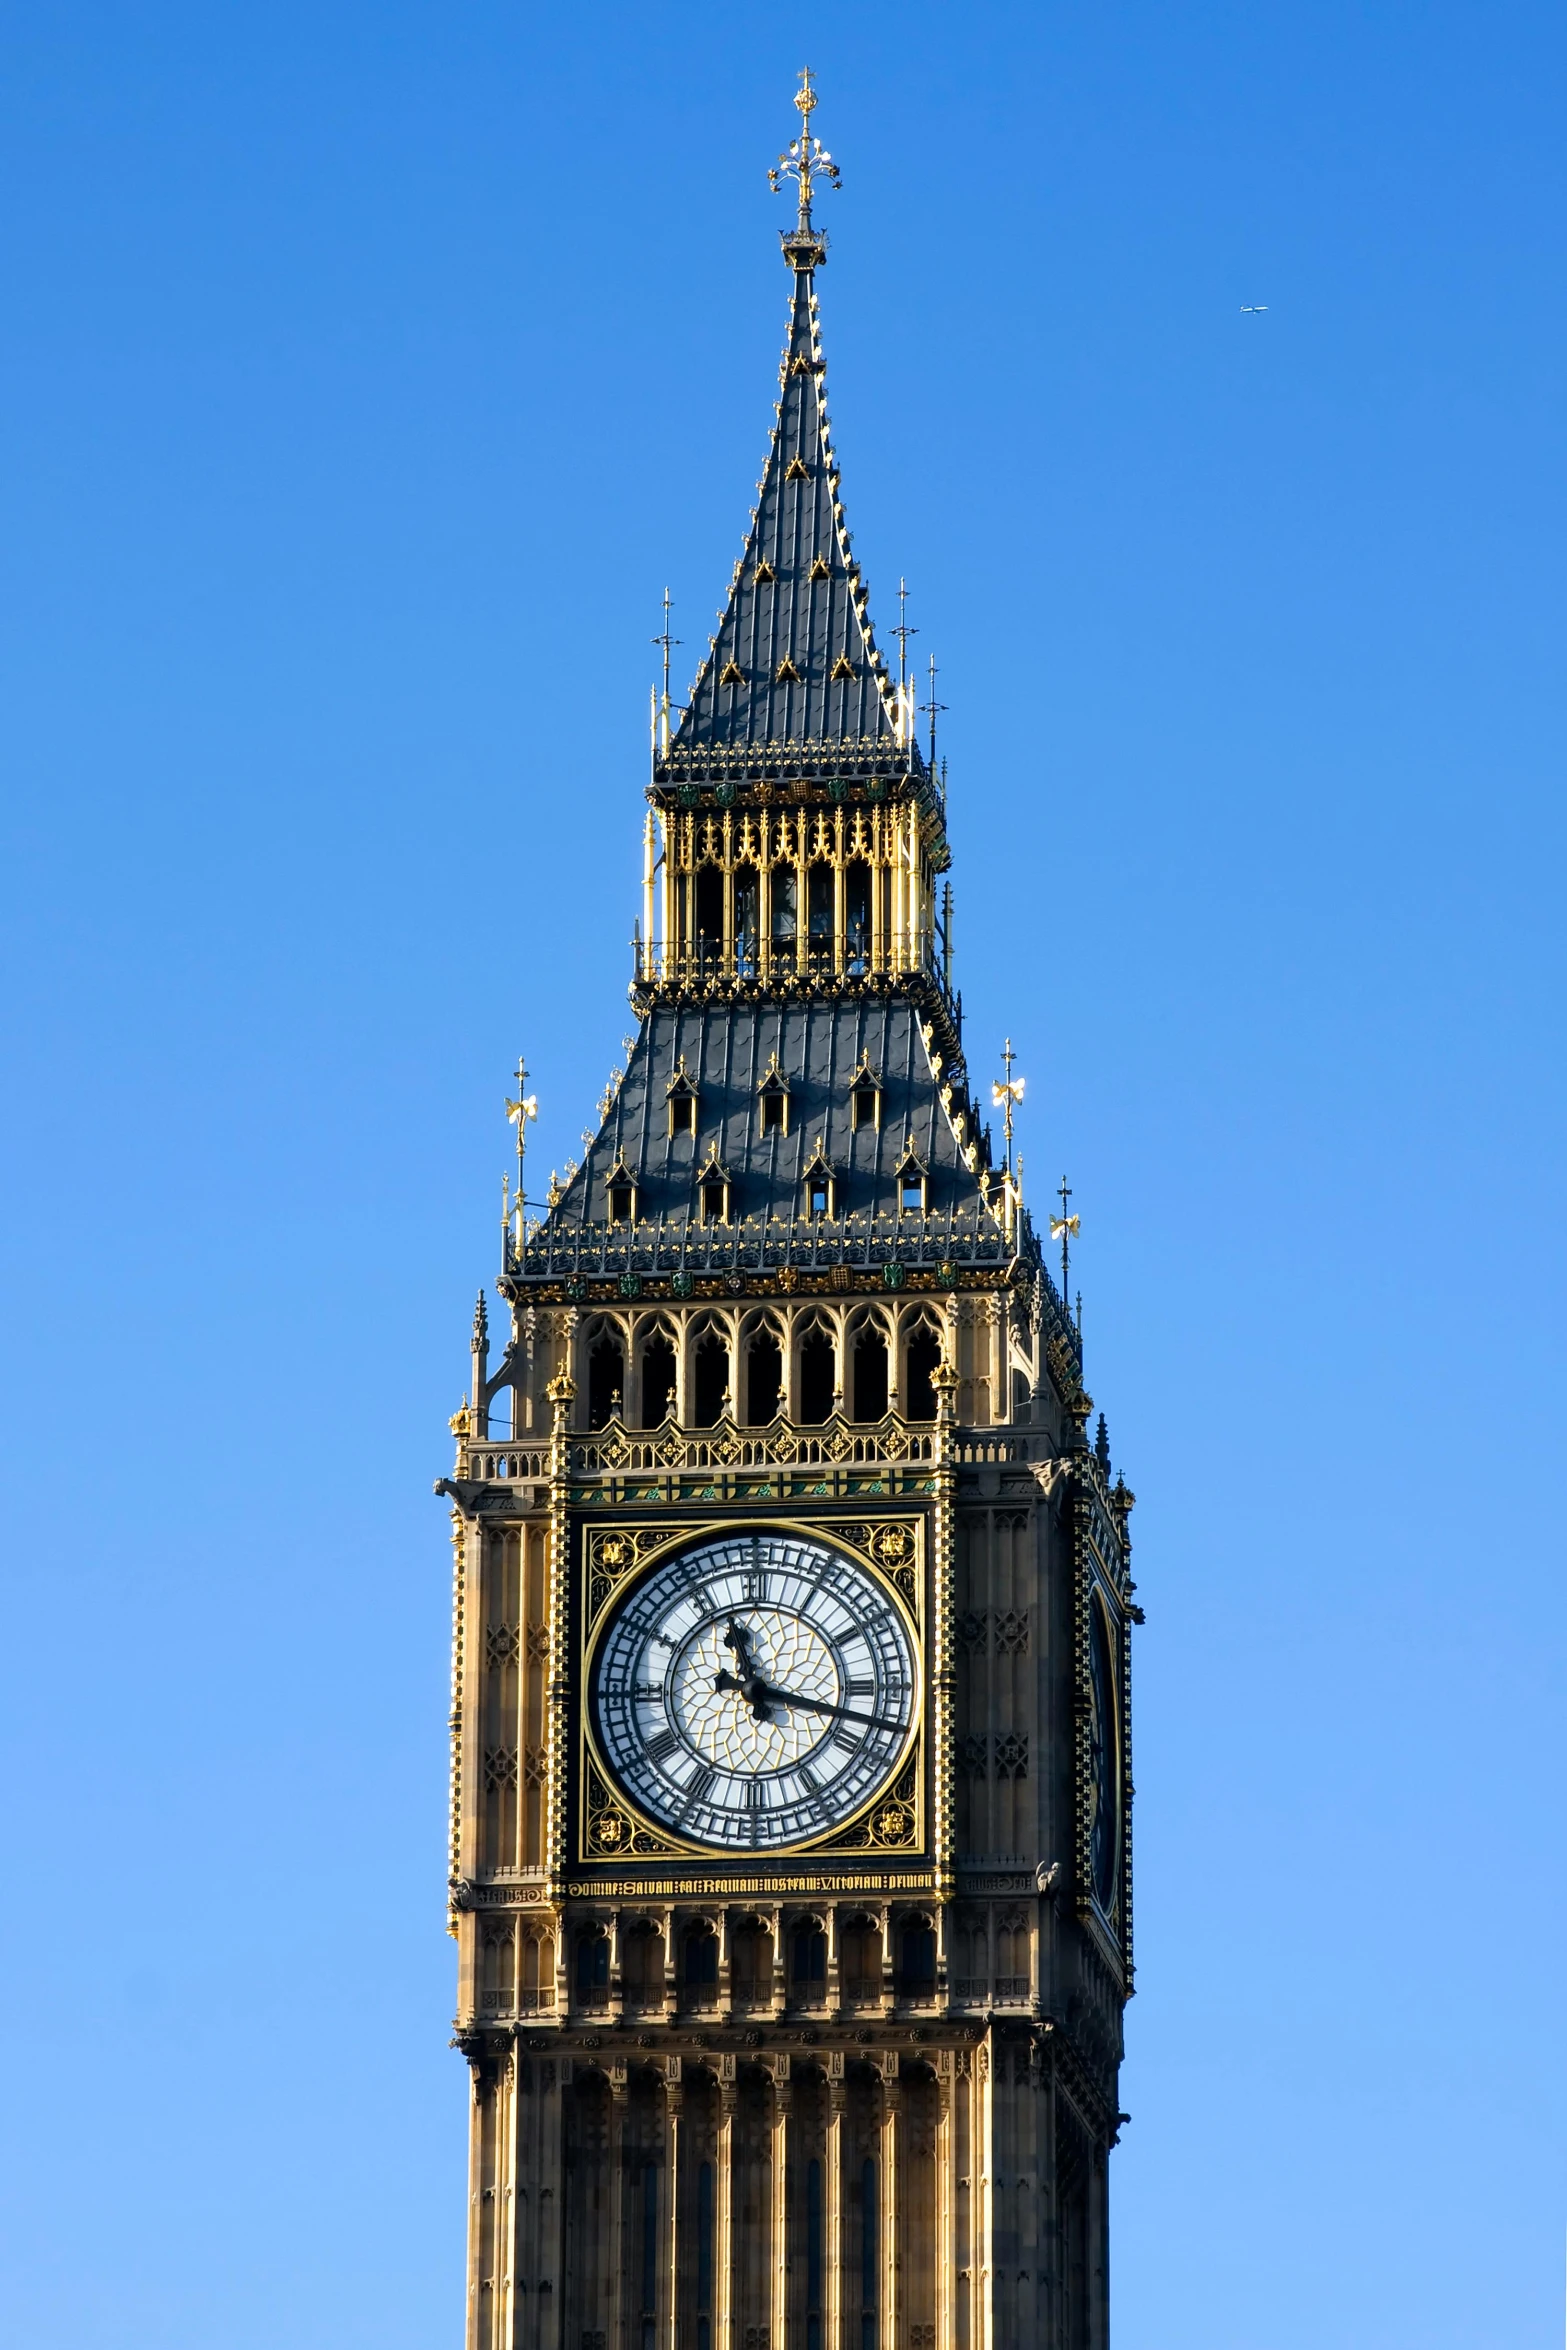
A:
<point x="919" y="1384"/>
<point x="817" y="1378"/>
<point x="763" y="1377"/>
<point x="857" y="914"/>
<point x="711" y="1367"/>
<point x="606" y="1379"/>
<point x="870" y="1372"/>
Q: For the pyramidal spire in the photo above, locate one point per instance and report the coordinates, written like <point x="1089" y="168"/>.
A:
<point x="794" y="682"/>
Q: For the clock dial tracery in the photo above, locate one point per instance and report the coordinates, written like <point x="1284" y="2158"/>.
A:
<point x="756" y="1690"/>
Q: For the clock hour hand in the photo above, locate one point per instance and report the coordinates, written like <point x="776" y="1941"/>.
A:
<point x="739" y="1639"/>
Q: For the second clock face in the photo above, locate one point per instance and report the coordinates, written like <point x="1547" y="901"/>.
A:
<point x="755" y="1691"/>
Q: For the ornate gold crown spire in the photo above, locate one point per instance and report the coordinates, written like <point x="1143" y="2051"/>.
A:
<point x="805" y="160"/>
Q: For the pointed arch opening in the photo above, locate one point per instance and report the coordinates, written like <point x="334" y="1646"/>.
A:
<point x="606" y="1376"/>
<point x="763" y="1375"/>
<point x="922" y="1360"/>
<point x="747" y="903"/>
<point x="709" y="913"/>
<point x="868" y="1379"/>
<point x="821" y="913"/>
<point x="857" y="914"/>
<point x="785" y="895"/>
<point x="659" y="1379"/>
<point x="710" y="1378"/>
<point x="818" y="1377"/>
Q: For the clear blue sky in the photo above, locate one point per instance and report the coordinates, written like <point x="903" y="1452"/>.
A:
<point x="366" y="372"/>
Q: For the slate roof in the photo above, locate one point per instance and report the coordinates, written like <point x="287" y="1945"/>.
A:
<point x="819" y="1046"/>
<point x="794" y="676"/>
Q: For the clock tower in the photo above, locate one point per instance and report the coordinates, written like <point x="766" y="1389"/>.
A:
<point x="791" y="1877"/>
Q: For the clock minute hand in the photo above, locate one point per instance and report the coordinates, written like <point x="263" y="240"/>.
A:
<point x="819" y="1705"/>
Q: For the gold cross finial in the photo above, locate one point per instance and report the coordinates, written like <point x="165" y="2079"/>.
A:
<point x="805" y="160"/>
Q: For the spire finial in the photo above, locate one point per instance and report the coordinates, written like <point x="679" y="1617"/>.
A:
<point x="1066" y="1228"/>
<point x="519" y="1111"/>
<point x="933" y="706"/>
<point x="805" y="160"/>
<point x="668" y="642"/>
<point x="903" y="632"/>
<point x="1006" y="1095"/>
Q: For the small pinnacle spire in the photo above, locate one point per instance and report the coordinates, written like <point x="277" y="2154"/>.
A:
<point x="481" y="1320"/>
<point x="1102" y="1448"/>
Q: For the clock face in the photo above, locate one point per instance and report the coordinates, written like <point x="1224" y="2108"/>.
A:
<point x="1104" y="1835"/>
<point x="756" y="1690"/>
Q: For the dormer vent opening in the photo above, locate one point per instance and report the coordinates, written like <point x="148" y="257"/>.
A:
<point x="682" y="1097"/>
<point x="772" y="1097"/>
<point x="712" y="1188"/>
<point x="820" y="1185"/>
<point x="620" y="1193"/>
<point x="864" y="1097"/>
<point x="913" y="1178"/>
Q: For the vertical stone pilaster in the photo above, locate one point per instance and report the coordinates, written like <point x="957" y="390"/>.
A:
<point x="473" y="2338"/>
<point x="983" y="2197"/>
<point x="943" y="1570"/>
<point x="546" y="2276"/>
<point x="782" y="2149"/>
<point x="725" y="2247"/>
<point x="834" y="2214"/>
<point x="616" y="2297"/>
<point x="890" y="2314"/>
<point x="674" y="2159"/>
<point x="946" y="2254"/>
<point x="562" y="1390"/>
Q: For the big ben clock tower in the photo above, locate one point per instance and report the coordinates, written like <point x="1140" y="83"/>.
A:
<point x="790" y="1763"/>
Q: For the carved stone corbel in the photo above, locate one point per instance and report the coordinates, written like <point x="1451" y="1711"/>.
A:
<point x="1053" y="1477"/>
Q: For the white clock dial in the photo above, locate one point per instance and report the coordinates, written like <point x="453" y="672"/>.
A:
<point x="755" y="1690"/>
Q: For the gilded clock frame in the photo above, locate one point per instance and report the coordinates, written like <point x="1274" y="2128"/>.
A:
<point x="893" y="1824"/>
